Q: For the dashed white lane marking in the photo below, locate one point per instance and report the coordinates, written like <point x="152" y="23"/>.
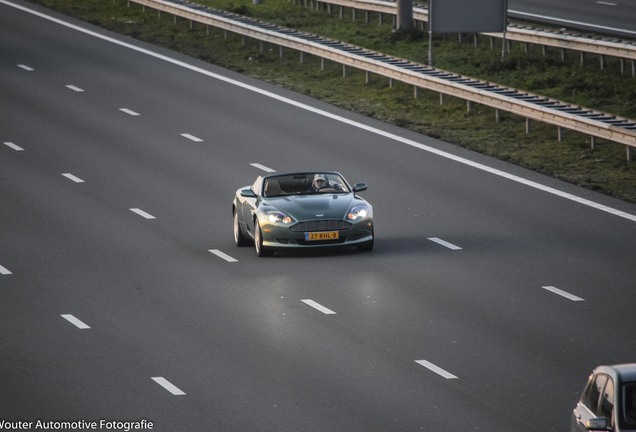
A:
<point x="318" y="306"/>
<point x="142" y="213"/>
<point x="76" y="322"/>
<point x="168" y="386"/>
<point x="262" y="167"/>
<point x="606" y="3"/>
<point x="353" y="123"/>
<point x="562" y="293"/>
<point x="191" y="137"/>
<point x="26" y="68"/>
<point x="73" y="178"/>
<point x="129" y="112"/>
<point x="4" y="271"/>
<point x="444" y="243"/>
<point x="438" y="370"/>
<point x="13" y="146"/>
<point x="225" y="256"/>
<point x="74" y="88"/>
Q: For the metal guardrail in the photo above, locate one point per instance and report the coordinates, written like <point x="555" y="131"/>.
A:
<point x="612" y="47"/>
<point x="530" y="106"/>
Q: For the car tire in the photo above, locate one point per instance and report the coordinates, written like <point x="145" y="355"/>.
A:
<point x="261" y="250"/>
<point x="368" y="246"/>
<point x="239" y="237"/>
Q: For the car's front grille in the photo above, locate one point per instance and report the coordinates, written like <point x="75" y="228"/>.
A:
<point x="321" y="225"/>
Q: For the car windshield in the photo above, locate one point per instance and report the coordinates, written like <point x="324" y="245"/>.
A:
<point x="629" y="398"/>
<point x="304" y="184"/>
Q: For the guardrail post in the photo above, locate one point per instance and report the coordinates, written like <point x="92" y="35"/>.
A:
<point x="415" y="92"/>
<point x="528" y="125"/>
<point x="367" y="77"/>
<point x="469" y="107"/>
<point x="560" y="133"/>
<point x="602" y="62"/>
<point x="497" y="115"/>
<point x="629" y="153"/>
<point x="592" y="142"/>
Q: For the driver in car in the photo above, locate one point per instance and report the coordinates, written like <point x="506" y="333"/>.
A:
<point x="319" y="182"/>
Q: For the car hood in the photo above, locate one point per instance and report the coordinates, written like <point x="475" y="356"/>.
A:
<point x="309" y="207"/>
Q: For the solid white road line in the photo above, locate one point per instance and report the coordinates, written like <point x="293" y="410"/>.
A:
<point x="336" y="117"/>
<point x="13" y="146"/>
<point x="73" y="178"/>
<point x="168" y="386"/>
<point x="319" y="307"/>
<point x="26" y="68"/>
<point x="191" y="137"/>
<point x="562" y="293"/>
<point x="4" y="271"/>
<point x="129" y="112"/>
<point x="142" y="213"/>
<point x="444" y="243"/>
<point x="77" y="323"/>
<point x="438" y="370"/>
<point x="262" y="167"/>
<point x="74" y="88"/>
<point x="225" y="256"/>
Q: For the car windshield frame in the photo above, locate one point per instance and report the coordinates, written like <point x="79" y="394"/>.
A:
<point x="305" y="183"/>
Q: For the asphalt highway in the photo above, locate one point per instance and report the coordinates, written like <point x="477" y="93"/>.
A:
<point x="491" y="293"/>
<point x="614" y="17"/>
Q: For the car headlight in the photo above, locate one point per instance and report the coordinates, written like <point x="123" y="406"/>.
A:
<point x="357" y="213"/>
<point x="278" y="217"/>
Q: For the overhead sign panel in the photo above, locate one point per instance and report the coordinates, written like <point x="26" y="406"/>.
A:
<point x="467" y="16"/>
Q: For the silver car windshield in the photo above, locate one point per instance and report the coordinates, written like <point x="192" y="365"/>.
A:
<point x="304" y="184"/>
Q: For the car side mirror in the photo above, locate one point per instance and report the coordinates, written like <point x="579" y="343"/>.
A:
<point x="597" y="424"/>
<point x="248" y="193"/>
<point x="359" y="187"/>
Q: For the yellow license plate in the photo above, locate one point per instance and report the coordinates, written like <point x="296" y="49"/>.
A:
<point x="323" y="235"/>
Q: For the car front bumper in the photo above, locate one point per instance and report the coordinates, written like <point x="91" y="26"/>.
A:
<point x="276" y="236"/>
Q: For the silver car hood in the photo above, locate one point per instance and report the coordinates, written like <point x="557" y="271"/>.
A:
<point x="310" y="207"/>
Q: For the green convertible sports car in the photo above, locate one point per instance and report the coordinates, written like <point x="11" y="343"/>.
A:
<point x="302" y="210"/>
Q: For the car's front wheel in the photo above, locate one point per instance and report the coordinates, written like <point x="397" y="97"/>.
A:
<point x="368" y="246"/>
<point x="239" y="238"/>
<point x="261" y="250"/>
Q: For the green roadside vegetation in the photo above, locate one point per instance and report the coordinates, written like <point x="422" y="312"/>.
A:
<point x="603" y="169"/>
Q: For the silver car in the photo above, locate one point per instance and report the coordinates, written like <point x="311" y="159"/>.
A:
<point x="608" y="402"/>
